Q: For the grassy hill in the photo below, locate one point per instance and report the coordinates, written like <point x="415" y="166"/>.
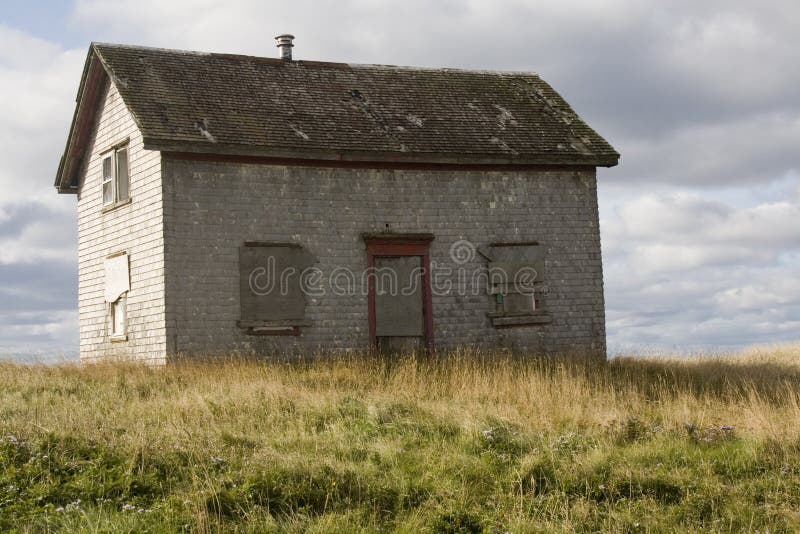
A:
<point x="471" y="443"/>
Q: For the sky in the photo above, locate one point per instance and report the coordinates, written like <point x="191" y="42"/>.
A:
<point x="700" y="222"/>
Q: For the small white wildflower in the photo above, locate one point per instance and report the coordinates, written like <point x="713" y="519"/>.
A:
<point x="602" y="486"/>
<point x="74" y="506"/>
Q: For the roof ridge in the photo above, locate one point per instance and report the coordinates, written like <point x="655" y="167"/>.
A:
<point x="447" y="69"/>
<point x="151" y="48"/>
<point x="320" y="63"/>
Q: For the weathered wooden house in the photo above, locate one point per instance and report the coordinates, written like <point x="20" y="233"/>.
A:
<point x="229" y="203"/>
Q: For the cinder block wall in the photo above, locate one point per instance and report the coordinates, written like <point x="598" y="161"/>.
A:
<point x="212" y="207"/>
<point x="135" y="228"/>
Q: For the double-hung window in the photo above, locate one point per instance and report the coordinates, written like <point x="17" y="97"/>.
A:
<point x="115" y="176"/>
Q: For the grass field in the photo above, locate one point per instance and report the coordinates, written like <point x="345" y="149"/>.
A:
<point x="471" y="443"/>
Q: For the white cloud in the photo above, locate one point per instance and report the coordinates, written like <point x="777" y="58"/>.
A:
<point x="37" y="99"/>
<point x="718" y="45"/>
<point x="759" y="296"/>
<point x="35" y="336"/>
<point x="38" y="83"/>
<point x="42" y="240"/>
<point x="750" y="149"/>
<point x="679" y="231"/>
<point x="683" y="269"/>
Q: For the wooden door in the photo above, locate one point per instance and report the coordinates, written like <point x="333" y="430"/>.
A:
<point x="399" y="304"/>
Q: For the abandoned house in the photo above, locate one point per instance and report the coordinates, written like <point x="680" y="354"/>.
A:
<point x="234" y="204"/>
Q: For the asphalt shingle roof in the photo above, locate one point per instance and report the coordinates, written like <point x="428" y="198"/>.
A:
<point x="232" y="104"/>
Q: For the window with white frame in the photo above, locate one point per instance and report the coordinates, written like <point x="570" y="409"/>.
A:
<point x="118" y="317"/>
<point x="115" y="176"/>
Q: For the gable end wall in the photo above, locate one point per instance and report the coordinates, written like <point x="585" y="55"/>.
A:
<point x="136" y="228"/>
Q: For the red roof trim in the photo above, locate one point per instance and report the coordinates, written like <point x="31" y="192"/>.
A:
<point x="374" y="164"/>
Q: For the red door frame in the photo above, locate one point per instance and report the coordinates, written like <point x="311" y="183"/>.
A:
<point x="401" y="245"/>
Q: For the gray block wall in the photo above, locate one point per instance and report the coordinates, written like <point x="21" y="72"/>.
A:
<point x="211" y="208"/>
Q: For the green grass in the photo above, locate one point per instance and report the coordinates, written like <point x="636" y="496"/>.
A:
<point x="468" y="443"/>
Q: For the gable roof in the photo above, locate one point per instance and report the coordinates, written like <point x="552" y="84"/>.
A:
<point x="251" y="106"/>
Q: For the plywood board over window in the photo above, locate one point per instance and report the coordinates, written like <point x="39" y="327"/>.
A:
<point x="271" y="287"/>
<point x="517" y="283"/>
<point x="117" y="277"/>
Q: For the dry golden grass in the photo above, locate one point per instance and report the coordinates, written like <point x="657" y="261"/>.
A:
<point x="466" y="443"/>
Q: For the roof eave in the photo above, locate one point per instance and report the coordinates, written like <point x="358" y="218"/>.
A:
<point x="91" y="78"/>
<point x="383" y="158"/>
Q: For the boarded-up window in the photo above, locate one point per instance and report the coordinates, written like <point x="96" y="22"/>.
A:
<point x="517" y="283"/>
<point x="117" y="277"/>
<point x="272" y="293"/>
<point x="117" y="283"/>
